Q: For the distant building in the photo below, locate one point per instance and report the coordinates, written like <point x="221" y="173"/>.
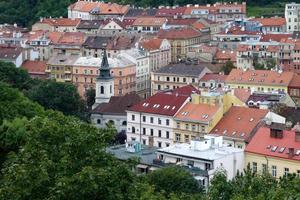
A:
<point x="114" y="111"/>
<point x="89" y="26"/>
<point x="271" y="25"/>
<point x="207" y="155"/>
<point x="93" y="45"/>
<point x="12" y="54"/>
<point x="292" y="17"/>
<point x="274" y="150"/>
<point x="36" y="69"/>
<point x="177" y="75"/>
<point x="93" y="10"/>
<point x="56" y="24"/>
<point x="148" y="24"/>
<point x="212" y="80"/>
<point x="294" y="89"/>
<point x="151" y="121"/>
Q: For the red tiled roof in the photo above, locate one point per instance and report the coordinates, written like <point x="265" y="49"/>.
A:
<point x="178" y="33"/>
<point x="180" y="22"/>
<point x="214" y="76"/>
<point x="197" y="112"/>
<point x="170" y="12"/>
<point x="295" y="83"/>
<point x="239" y="122"/>
<point x="273" y="21"/>
<point x="242" y="94"/>
<point x="274" y="37"/>
<point x="151" y="44"/>
<point x="261" y="77"/>
<point x="104" y="8"/>
<point x="60" y="21"/>
<point x="198" y="25"/>
<point x="225" y="54"/>
<point x="149" y="21"/>
<point x="161" y="104"/>
<point x="187" y="90"/>
<point x="71" y="38"/>
<point x="237" y="30"/>
<point x="262" y="143"/>
<point x="34" y="67"/>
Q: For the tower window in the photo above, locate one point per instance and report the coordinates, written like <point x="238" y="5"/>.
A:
<point x="102" y="89"/>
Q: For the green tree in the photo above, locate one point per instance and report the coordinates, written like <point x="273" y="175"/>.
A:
<point x="90" y="98"/>
<point x="219" y="187"/>
<point x="173" y="179"/>
<point x="14" y="104"/>
<point x="63" y="97"/>
<point x="270" y="63"/>
<point x="16" y="77"/>
<point x="228" y="67"/>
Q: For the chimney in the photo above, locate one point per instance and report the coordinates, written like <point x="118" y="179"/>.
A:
<point x="291" y="152"/>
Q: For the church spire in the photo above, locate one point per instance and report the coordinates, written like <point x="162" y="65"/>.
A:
<point x="104" y="68"/>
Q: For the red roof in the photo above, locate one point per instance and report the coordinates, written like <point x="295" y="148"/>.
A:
<point x="262" y="143"/>
<point x="187" y="90"/>
<point x="34" y="67"/>
<point x="273" y="21"/>
<point x="151" y="44"/>
<point x="295" y="83"/>
<point x="170" y="12"/>
<point x="60" y="21"/>
<point x="239" y="122"/>
<point x="183" y="33"/>
<point x="274" y="37"/>
<point x="161" y="104"/>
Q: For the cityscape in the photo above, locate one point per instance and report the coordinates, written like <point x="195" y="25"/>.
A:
<point x="118" y="101"/>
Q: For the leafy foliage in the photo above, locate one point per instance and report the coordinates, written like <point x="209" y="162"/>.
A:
<point x="228" y="67"/>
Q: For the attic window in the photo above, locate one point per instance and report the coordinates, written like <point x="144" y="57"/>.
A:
<point x="173" y="107"/>
<point x="281" y="149"/>
<point x="273" y="149"/>
<point x="234" y="132"/>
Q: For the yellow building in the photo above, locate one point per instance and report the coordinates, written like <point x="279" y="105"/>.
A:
<point x="259" y="80"/>
<point x="225" y="98"/>
<point x="195" y="120"/>
<point x="274" y="150"/>
<point x="60" y="68"/>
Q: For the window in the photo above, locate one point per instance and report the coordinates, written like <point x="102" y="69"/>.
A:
<point x="178" y="125"/>
<point x="178" y="160"/>
<point x="144" y="131"/>
<point x="159" y="144"/>
<point x="151" y="132"/>
<point x="184" y="79"/>
<point x="254" y="167"/>
<point x="144" y="142"/>
<point x="167" y="144"/>
<point x="207" y="166"/>
<point x="203" y="128"/>
<point x="274" y="171"/>
<point x="193" y="127"/>
<point x="187" y="126"/>
<point x="298" y="173"/>
<point x="151" y="120"/>
<point x="190" y="163"/>
<point x="159" y="133"/>
<point x="286" y="171"/>
<point x="177" y="137"/>
<point x="124" y="123"/>
<point x="168" y="78"/>
<point x="167" y="134"/>
<point x="133" y="129"/>
<point x="98" y="121"/>
<point x="102" y="90"/>
<point x="167" y="122"/>
<point x="144" y="118"/>
<point x="159" y="121"/>
<point x="186" y="138"/>
<point x="133" y="117"/>
<point x="264" y="168"/>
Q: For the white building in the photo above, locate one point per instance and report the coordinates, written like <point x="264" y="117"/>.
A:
<point x="292" y="17"/>
<point x="141" y="60"/>
<point x="151" y="121"/>
<point x="208" y="155"/>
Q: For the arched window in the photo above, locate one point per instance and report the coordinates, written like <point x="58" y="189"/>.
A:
<point x="133" y="130"/>
<point x="102" y="90"/>
<point x="124" y="123"/>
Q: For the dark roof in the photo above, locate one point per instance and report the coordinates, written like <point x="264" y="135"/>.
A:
<point x="255" y="97"/>
<point x="161" y="104"/>
<point x="118" y="104"/>
<point x="96" y="42"/>
<point x="182" y="69"/>
<point x="89" y="24"/>
<point x="7" y="52"/>
<point x="136" y="12"/>
<point x="291" y="114"/>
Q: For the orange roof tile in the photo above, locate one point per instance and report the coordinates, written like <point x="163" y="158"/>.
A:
<point x="262" y="143"/>
<point x="178" y="33"/>
<point x="274" y="37"/>
<point x="242" y="94"/>
<point x="273" y="21"/>
<point x="198" y="25"/>
<point x="35" y="67"/>
<point x="225" y="54"/>
<point x="104" y="8"/>
<point x="76" y="38"/>
<point x="55" y="36"/>
<point x="60" y="21"/>
<point x="149" y="21"/>
<point x="295" y="83"/>
<point x="151" y="44"/>
<point x="239" y="122"/>
<point x="214" y="76"/>
<point x="259" y="77"/>
<point x="197" y="112"/>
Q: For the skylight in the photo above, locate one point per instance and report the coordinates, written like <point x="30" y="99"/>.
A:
<point x="281" y="149"/>
<point x="273" y="149"/>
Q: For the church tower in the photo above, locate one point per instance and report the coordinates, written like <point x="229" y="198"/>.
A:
<point x="104" y="82"/>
